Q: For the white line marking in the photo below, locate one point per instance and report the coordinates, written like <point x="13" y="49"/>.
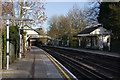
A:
<point x="95" y="52"/>
<point x="62" y="66"/>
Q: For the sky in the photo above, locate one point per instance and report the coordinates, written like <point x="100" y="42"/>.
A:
<point x="59" y="8"/>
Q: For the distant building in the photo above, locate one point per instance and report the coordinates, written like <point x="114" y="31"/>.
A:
<point x="32" y="35"/>
<point x="95" y="37"/>
<point x="38" y="29"/>
<point x="29" y="33"/>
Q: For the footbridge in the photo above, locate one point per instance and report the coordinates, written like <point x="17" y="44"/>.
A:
<point x="32" y="35"/>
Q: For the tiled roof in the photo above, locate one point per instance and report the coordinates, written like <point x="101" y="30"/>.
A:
<point x="88" y="30"/>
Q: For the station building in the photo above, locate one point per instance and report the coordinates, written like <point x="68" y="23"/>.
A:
<point x="95" y="38"/>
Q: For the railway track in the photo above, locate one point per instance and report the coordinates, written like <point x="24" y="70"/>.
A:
<point x="87" y="66"/>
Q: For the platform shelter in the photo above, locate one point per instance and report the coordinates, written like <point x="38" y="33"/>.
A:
<point x="95" y="38"/>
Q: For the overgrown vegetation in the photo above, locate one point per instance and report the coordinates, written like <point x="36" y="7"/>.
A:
<point x="109" y="16"/>
<point x="3" y="47"/>
<point x="14" y="39"/>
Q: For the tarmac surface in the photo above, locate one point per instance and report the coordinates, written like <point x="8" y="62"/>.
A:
<point x="112" y="54"/>
<point x="35" y="65"/>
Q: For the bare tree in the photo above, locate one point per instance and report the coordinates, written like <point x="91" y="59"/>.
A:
<point x="76" y="18"/>
<point x="53" y="28"/>
<point x="92" y="14"/>
<point x="36" y="12"/>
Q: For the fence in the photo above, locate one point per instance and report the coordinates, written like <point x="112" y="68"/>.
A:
<point x="12" y="53"/>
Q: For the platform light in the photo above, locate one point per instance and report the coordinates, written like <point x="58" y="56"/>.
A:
<point x="28" y="8"/>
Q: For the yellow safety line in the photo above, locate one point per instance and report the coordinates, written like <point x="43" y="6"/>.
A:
<point x="56" y="65"/>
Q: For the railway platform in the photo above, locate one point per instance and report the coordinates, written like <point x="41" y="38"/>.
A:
<point x="87" y="64"/>
<point x="37" y="64"/>
<point x="112" y="54"/>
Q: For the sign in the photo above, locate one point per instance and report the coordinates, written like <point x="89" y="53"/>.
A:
<point x="79" y="43"/>
<point x="101" y="44"/>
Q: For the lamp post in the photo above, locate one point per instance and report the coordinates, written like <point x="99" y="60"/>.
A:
<point x="8" y="18"/>
<point x="20" y="42"/>
<point x="7" y="36"/>
<point x="7" y="44"/>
